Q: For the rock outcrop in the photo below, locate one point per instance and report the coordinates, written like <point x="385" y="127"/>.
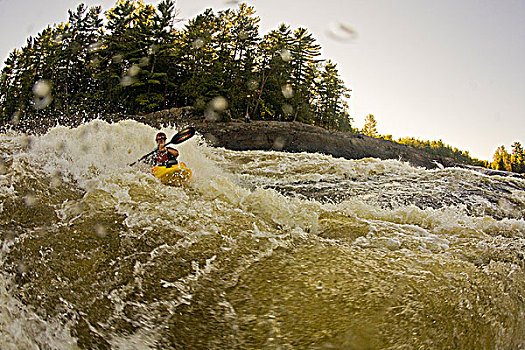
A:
<point x="298" y="137"/>
<point x="294" y="137"/>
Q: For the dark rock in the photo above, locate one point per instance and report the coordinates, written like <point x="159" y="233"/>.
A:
<point x="298" y="137"/>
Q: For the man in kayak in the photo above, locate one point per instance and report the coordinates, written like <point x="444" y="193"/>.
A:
<point x="165" y="155"/>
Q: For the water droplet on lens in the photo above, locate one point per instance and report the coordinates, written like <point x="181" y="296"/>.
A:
<point x="287" y="91"/>
<point x="42" y="88"/>
<point x="279" y="143"/>
<point x="144" y="61"/>
<point x="133" y="71"/>
<point x="253" y="84"/>
<point x="41" y="103"/>
<point x="61" y="146"/>
<point x="117" y="58"/>
<point x="211" y="115"/>
<point x="3" y="168"/>
<point x="29" y="200"/>
<point x="288" y="109"/>
<point x="219" y="103"/>
<point x="78" y="208"/>
<point x="197" y="43"/>
<point x="342" y="32"/>
<point x="286" y="55"/>
<point x="83" y="132"/>
<point x="127" y="81"/>
<point x="100" y="231"/>
<point x="107" y="147"/>
<point x="212" y="140"/>
<point x="56" y="179"/>
<point x="25" y="141"/>
<point x="129" y="78"/>
<point x="94" y="46"/>
<point x="15" y="119"/>
<point x="21" y="268"/>
<point x="42" y="94"/>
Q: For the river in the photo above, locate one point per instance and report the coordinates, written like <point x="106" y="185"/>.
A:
<point x="260" y="250"/>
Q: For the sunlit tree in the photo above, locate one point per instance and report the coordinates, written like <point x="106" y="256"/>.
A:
<point x="200" y="76"/>
<point x="501" y="159"/>
<point x="73" y="81"/>
<point x="10" y="92"/>
<point x="370" y="127"/>
<point x="242" y="27"/>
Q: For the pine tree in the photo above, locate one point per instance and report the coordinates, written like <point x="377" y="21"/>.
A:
<point x="19" y="76"/>
<point x="75" y="63"/>
<point x="201" y="72"/>
<point x="370" y="127"/>
<point x="304" y="51"/>
<point x="242" y="28"/>
<point x="156" y="34"/>
<point x="502" y="159"/>
<point x="330" y="91"/>
<point x="275" y="70"/>
<point x="10" y="89"/>
<point x="119" y="55"/>
<point x="517" y="158"/>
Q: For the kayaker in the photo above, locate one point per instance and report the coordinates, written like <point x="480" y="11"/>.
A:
<point x="165" y="155"/>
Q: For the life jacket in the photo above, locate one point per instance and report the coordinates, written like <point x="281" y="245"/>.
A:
<point x="164" y="157"/>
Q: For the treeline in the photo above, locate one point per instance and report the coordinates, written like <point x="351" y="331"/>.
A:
<point x="133" y="60"/>
<point x="502" y="160"/>
<point x="438" y="148"/>
<point x="514" y="161"/>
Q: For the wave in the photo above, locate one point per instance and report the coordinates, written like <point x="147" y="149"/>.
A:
<point x="260" y="249"/>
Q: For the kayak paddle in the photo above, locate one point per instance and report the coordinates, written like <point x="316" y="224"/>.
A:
<point x="179" y="137"/>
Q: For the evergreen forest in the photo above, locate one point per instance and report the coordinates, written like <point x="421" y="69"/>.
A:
<point x="133" y="60"/>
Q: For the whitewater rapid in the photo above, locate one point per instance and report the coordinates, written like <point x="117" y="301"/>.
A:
<point x="259" y="250"/>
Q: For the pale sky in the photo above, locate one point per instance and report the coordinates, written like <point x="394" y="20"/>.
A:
<point x="432" y="69"/>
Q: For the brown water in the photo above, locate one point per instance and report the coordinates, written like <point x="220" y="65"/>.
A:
<point x="261" y="250"/>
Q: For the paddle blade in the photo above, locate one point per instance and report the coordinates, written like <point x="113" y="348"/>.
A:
<point x="183" y="135"/>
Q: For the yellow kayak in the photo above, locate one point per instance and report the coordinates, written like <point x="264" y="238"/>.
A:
<point x="174" y="175"/>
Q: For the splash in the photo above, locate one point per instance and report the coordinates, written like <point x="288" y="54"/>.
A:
<point x="258" y="250"/>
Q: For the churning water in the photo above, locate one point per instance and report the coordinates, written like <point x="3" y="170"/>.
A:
<point x="261" y="250"/>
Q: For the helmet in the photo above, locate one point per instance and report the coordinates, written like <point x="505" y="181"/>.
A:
<point x="160" y="135"/>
